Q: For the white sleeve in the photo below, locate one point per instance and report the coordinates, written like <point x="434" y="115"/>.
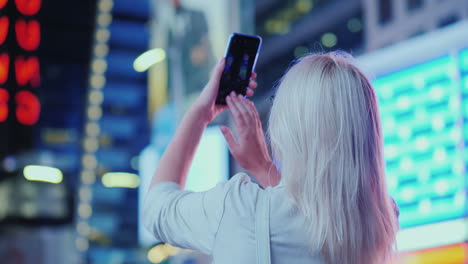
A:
<point x="182" y="218"/>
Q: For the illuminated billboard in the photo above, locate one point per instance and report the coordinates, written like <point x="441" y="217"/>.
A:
<point x="422" y="88"/>
<point x="420" y="107"/>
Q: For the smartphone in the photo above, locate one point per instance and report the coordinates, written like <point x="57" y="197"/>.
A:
<point x="241" y="56"/>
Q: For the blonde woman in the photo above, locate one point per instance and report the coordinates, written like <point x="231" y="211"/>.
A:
<point x="330" y="203"/>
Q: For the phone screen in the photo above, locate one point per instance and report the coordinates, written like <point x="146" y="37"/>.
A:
<point x="241" y="56"/>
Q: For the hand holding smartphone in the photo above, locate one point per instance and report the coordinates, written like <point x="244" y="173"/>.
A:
<point x="241" y="57"/>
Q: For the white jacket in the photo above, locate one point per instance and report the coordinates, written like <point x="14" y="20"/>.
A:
<point x="221" y="222"/>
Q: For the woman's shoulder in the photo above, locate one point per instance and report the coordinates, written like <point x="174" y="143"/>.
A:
<point x="242" y="193"/>
<point x="241" y="184"/>
<point x="242" y="179"/>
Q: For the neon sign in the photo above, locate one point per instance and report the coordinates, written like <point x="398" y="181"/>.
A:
<point x="4" y="96"/>
<point x="19" y="65"/>
<point x="4" y="66"/>
<point x="28" y="34"/>
<point x="4" y="23"/>
<point x="28" y="7"/>
<point x="27" y="71"/>
<point x="27" y="108"/>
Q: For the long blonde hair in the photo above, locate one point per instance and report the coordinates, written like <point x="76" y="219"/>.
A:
<point x="325" y="131"/>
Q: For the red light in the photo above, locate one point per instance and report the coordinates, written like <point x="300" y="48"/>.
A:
<point x="28" y="7"/>
<point x="4" y="96"/>
<point x="27" y="71"/>
<point x="4" y="66"/>
<point x="3" y="3"/>
<point x="28" y="108"/>
<point x="4" y="22"/>
<point x="28" y="34"/>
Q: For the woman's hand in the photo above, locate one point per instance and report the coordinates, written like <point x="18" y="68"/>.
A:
<point x="250" y="149"/>
<point x="205" y="103"/>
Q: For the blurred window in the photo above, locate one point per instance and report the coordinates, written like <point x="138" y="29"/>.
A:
<point x="448" y="20"/>
<point x="385" y="11"/>
<point x="414" y="4"/>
